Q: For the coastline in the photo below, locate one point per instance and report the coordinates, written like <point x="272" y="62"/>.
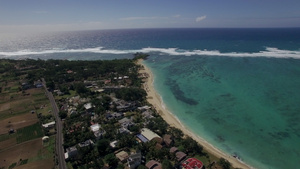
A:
<point x="154" y="98"/>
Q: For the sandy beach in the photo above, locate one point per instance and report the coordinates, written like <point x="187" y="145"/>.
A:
<point x="155" y="100"/>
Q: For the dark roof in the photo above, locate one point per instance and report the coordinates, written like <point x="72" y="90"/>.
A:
<point x="180" y="155"/>
<point x="153" y="165"/>
<point x="158" y="140"/>
<point x="167" y="139"/>
<point x="142" y="138"/>
<point x="158" y="146"/>
<point x="173" y="149"/>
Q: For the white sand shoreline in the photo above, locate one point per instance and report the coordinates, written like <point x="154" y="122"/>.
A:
<point x="155" y="99"/>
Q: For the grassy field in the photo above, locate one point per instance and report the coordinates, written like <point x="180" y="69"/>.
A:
<point x="19" y="111"/>
<point x="72" y="94"/>
<point x="31" y="154"/>
<point x="17" y="122"/>
<point x="29" y="133"/>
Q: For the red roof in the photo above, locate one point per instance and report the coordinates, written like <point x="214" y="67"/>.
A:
<point x="192" y="163"/>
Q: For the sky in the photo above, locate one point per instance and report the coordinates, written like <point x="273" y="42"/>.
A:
<point x="64" y="15"/>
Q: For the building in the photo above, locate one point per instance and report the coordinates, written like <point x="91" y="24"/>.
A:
<point x="113" y="144"/>
<point x="134" y="160"/>
<point x="148" y="134"/>
<point x="125" y="123"/>
<point x="192" y="163"/>
<point x="86" y="143"/>
<point x="168" y="139"/>
<point x="152" y="164"/>
<point x="97" y="132"/>
<point x="122" y="156"/>
<point x="173" y="149"/>
<point x="71" y="152"/>
<point x="95" y="127"/>
<point x="49" y="125"/>
<point x="143" y="108"/>
<point x="88" y="106"/>
<point x="180" y="156"/>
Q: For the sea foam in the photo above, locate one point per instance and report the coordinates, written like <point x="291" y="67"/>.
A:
<point x="268" y="52"/>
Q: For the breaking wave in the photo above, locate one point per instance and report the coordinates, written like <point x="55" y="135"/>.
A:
<point x="268" y="52"/>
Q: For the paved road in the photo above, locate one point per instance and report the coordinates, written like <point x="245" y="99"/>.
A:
<point x="59" y="127"/>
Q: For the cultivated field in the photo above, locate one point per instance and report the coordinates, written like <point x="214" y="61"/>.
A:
<point x="19" y="111"/>
<point x="30" y="154"/>
<point x="17" y="122"/>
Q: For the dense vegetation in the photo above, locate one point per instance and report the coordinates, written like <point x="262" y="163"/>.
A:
<point x="77" y="83"/>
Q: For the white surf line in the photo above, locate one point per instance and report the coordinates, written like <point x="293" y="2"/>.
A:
<point x="269" y="52"/>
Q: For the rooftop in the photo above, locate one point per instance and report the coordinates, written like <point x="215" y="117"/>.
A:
<point x="95" y="127"/>
<point x="149" y="134"/>
<point x="153" y="165"/>
<point x="192" y="163"/>
<point x="122" y="155"/>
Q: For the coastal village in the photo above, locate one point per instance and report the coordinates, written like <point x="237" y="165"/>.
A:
<point x="106" y="119"/>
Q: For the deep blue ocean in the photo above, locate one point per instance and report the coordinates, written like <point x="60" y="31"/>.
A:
<point x="239" y="89"/>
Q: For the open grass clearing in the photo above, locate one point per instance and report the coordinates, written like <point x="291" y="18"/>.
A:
<point x="25" y="150"/>
<point x="72" y="94"/>
<point x="17" y="122"/>
<point x="44" y="164"/>
<point x="28" y="155"/>
<point x="9" y="142"/>
<point x="22" y="104"/>
<point x="29" y="133"/>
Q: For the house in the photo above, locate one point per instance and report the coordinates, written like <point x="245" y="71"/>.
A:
<point x="192" y="163"/>
<point x="114" y="115"/>
<point x="86" y="143"/>
<point x="148" y="134"/>
<point x="69" y="71"/>
<point x="167" y="139"/>
<point x="122" y="156"/>
<point x="147" y="114"/>
<point x="142" y="138"/>
<point x="38" y="84"/>
<point x="97" y="132"/>
<point x="173" y="149"/>
<point x="125" y="122"/>
<point x="180" y="156"/>
<point x="144" y="108"/>
<point x="123" y="130"/>
<point x="152" y="164"/>
<point x="113" y="144"/>
<point x="88" y="106"/>
<point x="134" y="160"/>
<point x="49" y="125"/>
<point x="95" y="127"/>
<point x="72" y="152"/>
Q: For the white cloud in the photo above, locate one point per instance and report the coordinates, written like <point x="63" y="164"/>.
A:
<point x="200" y="18"/>
<point x="176" y="16"/>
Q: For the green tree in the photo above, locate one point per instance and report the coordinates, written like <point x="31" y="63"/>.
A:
<point x="191" y="146"/>
<point x="80" y="88"/>
<point x="224" y="163"/>
<point x="131" y="94"/>
<point x="50" y="84"/>
<point x="142" y="167"/>
<point x="111" y="160"/>
<point x="102" y="146"/>
<point x="63" y="114"/>
<point x="166" y="164"/>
